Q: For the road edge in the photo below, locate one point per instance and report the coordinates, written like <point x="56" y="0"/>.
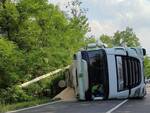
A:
<point x="40" y="105"/>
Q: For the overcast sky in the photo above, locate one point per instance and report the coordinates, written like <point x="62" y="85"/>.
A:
<point x="108" y="16"/>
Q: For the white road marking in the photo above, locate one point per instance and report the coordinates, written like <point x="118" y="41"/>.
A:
<point x="50" y="103"/>
<point x="116" y="107"/>
<point x="34" y="106"/>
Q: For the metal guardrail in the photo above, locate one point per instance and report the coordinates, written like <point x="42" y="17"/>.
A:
<point x="43" y="76"/>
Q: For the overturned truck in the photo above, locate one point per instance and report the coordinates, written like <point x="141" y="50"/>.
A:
<point x="108" y="73"/>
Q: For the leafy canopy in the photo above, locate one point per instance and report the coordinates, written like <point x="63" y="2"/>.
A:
<point x="127" y="37"/>
<point x="37" y="37"/>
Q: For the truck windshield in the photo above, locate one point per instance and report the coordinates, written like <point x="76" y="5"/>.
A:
<point x="97" y="68"/>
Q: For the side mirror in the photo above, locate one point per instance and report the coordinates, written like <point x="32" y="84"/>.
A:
<point x="144" y="51"/>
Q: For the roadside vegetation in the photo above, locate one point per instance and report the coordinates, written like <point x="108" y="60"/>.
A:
<point x="19" y="105"/>
<point x="36" y="37"/>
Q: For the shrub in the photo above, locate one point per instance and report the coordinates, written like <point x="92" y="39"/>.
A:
<point x="47" y="87"/>
<point x="13" y="94"/>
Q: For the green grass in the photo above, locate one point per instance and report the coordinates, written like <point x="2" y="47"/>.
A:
<point x="9" y="107"/>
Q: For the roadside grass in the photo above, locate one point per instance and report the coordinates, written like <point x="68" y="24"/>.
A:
<point x="9" y="107"/>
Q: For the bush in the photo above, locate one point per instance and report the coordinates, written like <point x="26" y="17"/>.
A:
<point x="13" y="94"/>
<point x="47" y="87"/>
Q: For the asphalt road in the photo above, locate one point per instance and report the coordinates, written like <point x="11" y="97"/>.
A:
<point x="109" y="106"/>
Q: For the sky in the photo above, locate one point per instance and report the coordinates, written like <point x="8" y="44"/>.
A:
<point x="108" y="16"/>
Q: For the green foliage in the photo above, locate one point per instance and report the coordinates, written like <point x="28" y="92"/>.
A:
<point x="35" y="38"/>
<point x="147" y="66"/>
<point x="126" y="37"/>
<point x="44" y="38"/>
<point x="47" y="87"/>
<point x="107" y="40"/>
<point x="13" y="94"/>
<point x="10" y="63"/>
<point x="9" y="107"/>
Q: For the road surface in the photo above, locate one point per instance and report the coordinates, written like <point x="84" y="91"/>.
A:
<point x="109" y="106"/>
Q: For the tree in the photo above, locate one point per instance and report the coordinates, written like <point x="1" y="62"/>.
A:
<point x="35" y="38"/>
<point x="11" y="60"/>
<point x="107" y="40"/>
<point x="78" y="26"/>
<point x="42" y="33"/>
<point x="8" y="19"/>
<point x="127" y="37"/>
